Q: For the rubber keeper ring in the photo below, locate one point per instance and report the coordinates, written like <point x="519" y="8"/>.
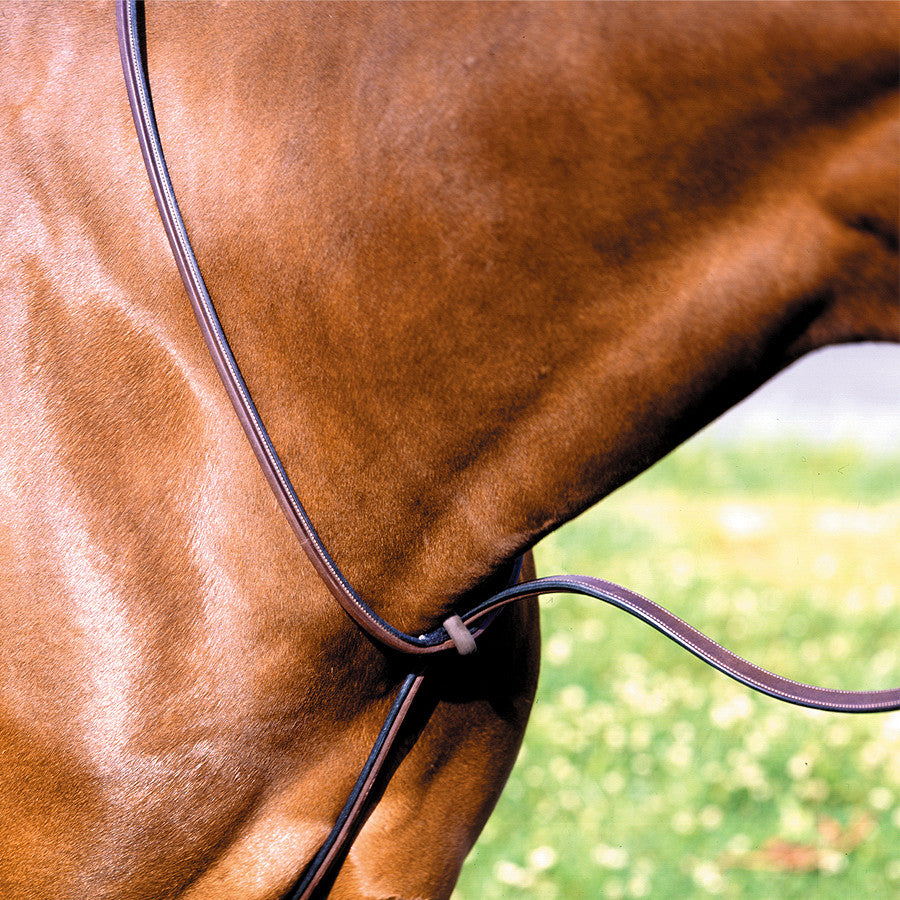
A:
<point x="460" y="635"/>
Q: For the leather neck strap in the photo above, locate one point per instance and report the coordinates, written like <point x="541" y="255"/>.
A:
<point x="458" y="632"/>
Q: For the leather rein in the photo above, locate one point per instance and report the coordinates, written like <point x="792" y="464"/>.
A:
<point x="458" y="633"/>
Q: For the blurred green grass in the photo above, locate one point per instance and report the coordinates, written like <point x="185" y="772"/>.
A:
<point x="645" y="774"/>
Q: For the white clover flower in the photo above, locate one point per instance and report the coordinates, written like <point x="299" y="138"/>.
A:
<point x="825" y="566"/>
<point x="743" y="521"/>
<point x="872" y="754"/>
<point x="799" y="766"/>
<point x="679" y="756"/>
<point x="683" y="732"/>
<point x="641" y="735"/>
<point x="831" y="862"/>
<point x="711" y="817"/>
<point x="881" y="798"/>
<point x="796" y="821"/>
<point x="683" y="822"/>
<point x="642" y="764"/>
<point x="559" y="649"/>
<point x="613" y="783"/>
<point x="615" y="858"/>
<point x="507" y="872"/>
<point x="816" y="790"/>
<point x="838" y="735"/>
<point x="615" y="737"/>
<point x="562" y="770"/>
<point x="736" y="709"/>
<point x="708" y="876"/>
<point x="573" y="697"/>
<point x="638" y="886"/>
<point x="542" y="858"/>
<point x="757" y="743"/>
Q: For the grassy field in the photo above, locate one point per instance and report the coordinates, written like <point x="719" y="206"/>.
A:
<point x="645" y="774"/>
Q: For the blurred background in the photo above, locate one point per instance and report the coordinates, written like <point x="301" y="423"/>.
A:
<point x="646" y="774"/>
<point x="847" y="394"/>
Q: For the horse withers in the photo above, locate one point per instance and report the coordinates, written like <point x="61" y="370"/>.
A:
<point x="480" y="265"/>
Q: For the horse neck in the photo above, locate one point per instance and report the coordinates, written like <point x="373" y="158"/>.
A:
<point x="384" y="264"/>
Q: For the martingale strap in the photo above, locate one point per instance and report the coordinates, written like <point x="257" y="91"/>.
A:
<point x="460" y="632"/>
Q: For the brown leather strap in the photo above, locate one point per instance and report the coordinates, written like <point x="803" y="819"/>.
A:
<point x="697" y="643"/>
<point x="459" y="632"/>
<point x="438" y="640"/>
<point x="355" y="808"/>
<point x="219" y="349"/>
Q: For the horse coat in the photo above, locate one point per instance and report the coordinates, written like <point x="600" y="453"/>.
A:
<point x="481" y="265"/>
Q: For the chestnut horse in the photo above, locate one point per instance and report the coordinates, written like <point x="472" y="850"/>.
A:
<point x="481" y="264"/>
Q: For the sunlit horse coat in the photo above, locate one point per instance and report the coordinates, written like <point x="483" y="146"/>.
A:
<point x="480" y="264"/>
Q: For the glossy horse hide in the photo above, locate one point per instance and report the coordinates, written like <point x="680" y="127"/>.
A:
<point x="480" y="264"/>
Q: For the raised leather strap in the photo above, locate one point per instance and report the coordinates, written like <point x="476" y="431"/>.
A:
<point x="696" y="642"/>
<point x="438" y="640"/>
<point x="351" y="815"/>
<point x="459" y="632"/>
<point x="219" y="349"/>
